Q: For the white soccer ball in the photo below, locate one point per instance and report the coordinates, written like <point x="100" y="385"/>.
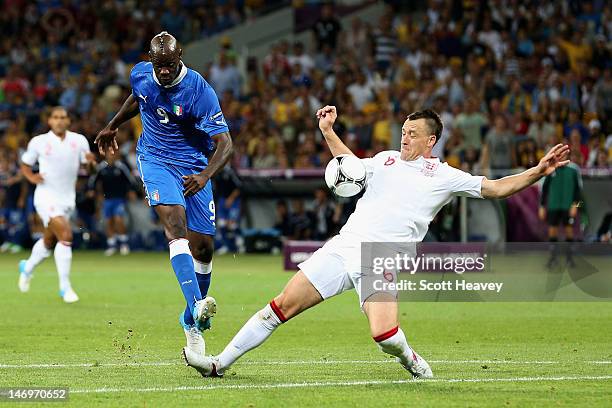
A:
<point x="345" y="175"/>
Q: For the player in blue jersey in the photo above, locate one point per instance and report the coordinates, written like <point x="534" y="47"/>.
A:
<point x="182" y="122"/>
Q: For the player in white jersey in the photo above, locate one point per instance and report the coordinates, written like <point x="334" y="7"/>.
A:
<point x="405" y="189"/>
<point x="59" y="154"/>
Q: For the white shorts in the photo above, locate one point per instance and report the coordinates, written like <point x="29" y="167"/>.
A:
<point x="47" y="208"/>
<point x="336" y="267"/>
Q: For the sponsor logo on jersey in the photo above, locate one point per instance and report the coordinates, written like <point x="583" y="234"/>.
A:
<point x="178" y="110"/>
<point x="429" y="168"/>
<point x="144" y="97"/>
<point x="155" y="195"/>
<point x="390" y="161"/>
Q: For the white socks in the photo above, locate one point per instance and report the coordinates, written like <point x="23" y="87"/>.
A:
<point x="394" y="342"/>
<point x="202" y="267"/>
<point x="259" y="327"/>
<point x="63" y="260"/>
<point x="39" y="253"/>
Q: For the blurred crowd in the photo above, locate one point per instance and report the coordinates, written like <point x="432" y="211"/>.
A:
<point x="509" y="78"/>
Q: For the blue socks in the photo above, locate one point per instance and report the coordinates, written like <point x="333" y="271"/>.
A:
<point x="182" y="263"/>
<point x="203" y="275"/>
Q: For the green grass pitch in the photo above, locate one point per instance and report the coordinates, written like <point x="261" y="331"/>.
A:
<point x="120" y="345"/>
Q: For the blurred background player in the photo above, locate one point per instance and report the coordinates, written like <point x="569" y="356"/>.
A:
<point x="114" y="182"/>
<point x="561" y="195"/>
<point x="182" y="121"/>
<point x="59" y="154"/>
<point x="13" y="192"/>
<point x="227" y="190"/>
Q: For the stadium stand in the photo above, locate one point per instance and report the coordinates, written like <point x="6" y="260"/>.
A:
<point x="509" y="80"/>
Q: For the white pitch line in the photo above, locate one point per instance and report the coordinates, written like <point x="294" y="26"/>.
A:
<point x="91" y="365"/>
<point x="302" y="362"/>
<point x="429" y="361"/>
<point x="336" y="384"/>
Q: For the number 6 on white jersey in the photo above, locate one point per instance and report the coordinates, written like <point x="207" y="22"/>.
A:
<point x="163" y="113"/>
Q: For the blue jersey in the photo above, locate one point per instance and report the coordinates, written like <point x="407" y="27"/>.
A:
<point x="178" y="120"/>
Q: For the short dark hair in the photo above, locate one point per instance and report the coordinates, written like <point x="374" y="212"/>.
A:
<point x="53" y="109"/>
<point x="431" y="118"/>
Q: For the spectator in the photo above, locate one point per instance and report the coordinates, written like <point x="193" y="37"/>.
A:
<point x="324" y="60"/>
<point x="306" y="102"/>
<point x="491" y="88"/>
<point x="263" y="158"/>
<point x="541" y="130"/>
<point x="361" y="91"/>
<point x="224" y="76"/>
<point x="577" y="49"/>
<point x="173" y="20"/>
<point x="300" y="222"/>
<point x="283" y="219"/>
<point x="448" y="119"/>
<point x="356" y="38"/>
<point x="603" y="97"/>
<point x="275" y="65"/>
<point x="517" y="100"/>
<point x="305" y="61"/>
<point x="576" y="145"/>
<point x="491" y="38"/>
<point x="77" y="98"/>
<point x="603" y="161"/>
<point x="323" y="215"/>
<point x="471" y="123"/>
<point x="498" y="153"/>
<point x="601" y="53"/>
<point x="381" y="132"/>
<point x="574" y="123"/>
<point x="384" y="42"/>
<point x="327" y="28"/>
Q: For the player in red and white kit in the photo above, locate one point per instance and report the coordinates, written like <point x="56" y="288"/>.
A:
<point x="59" y="154"/>
<point x="405" y="189"/>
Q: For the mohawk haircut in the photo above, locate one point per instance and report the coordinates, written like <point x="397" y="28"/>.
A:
<point x="163" y="42"/>
<point x="432" y="119"/>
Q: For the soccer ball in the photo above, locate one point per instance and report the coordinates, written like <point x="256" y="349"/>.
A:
<point x="345" y="175"/>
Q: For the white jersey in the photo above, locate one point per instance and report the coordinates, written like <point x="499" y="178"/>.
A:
<point x="59" y="161"/>
<point x="402" y="197"/>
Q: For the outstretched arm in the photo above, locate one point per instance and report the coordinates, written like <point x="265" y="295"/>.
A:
<point x="327" y="116"/>
<point x="106" y="139"/>
<point x="505" y="187"/>
<point x="195" y="182"/>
